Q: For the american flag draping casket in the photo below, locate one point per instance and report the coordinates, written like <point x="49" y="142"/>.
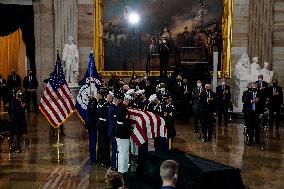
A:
<point x="146" y="125"/>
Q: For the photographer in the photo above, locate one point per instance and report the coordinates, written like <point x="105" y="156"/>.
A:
<point x="164" y="52"/>
<point x="18" y="119"/>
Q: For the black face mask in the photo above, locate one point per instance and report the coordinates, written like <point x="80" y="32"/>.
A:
<point x="30" y="74"/>
<point x="274" y="84"/>
<point x="208" y="90"/>
<point x="254" y="89"/>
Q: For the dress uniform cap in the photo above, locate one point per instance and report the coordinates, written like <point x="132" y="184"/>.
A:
<point x="111" y="93"/>
<point x="140" y="92"/>
<point x="130" y="92"/>
<point x="152" y="97"/>
<point x="128" y="97"/>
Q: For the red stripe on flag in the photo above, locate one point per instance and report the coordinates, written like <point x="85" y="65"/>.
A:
<point x="135" y="139"/>
<point x="151" y="123"/>
<point x="52" y="109"/>
<point x="140" y="128"/>
<point x="63" y="101"/>
<point x="158" y="125"/>
<point x="47" y="115"/>
<point x="55" y="103"/>
<point x="68" y="97"/>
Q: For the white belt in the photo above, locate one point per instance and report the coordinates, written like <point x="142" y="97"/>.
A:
<point x="119" y="123"/>
<point x="102" y="119"/>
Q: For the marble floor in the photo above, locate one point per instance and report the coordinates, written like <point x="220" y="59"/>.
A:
<point x="43" y="166"/>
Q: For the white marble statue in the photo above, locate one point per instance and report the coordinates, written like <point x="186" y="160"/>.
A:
<point x="267" y="74"/>
<point x="70" y="58"/>
<point x="255" y="69"/>
<point x="242" y="68"/>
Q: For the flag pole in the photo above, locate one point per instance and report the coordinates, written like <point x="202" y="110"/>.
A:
<point x="90" y="77"/>
<point x="57" y="144"/>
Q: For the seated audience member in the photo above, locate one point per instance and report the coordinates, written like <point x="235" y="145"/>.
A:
<point x="169" y="174"/>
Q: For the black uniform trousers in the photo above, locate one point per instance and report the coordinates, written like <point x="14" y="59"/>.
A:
<point x="207" y="122"/>
<point x="277" y="116"/>
<point x="223" y="110"/>
<point x="164" y="63"/>
<point x="103" y="143"/>
<point x="253" y="126"/>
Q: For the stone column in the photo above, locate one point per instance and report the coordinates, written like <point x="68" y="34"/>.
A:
<point x="261" y="29"/>
<point x="66" y="22"/>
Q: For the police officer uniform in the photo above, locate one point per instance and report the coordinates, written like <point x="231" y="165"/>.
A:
<point x="92" y="128"/>
<point x="103" y="138"/>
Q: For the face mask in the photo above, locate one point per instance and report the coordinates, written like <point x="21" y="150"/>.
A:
<point x="30" y="74"/>
<point x="208" y="90"/>
<point x="254" y="89"/>
<point x="259" y="79"/>
<point x="199" y="84"/>
<point x="274" y="84"/>
<point x="223" y="83"/>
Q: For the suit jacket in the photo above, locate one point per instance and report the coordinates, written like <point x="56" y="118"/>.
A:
<point x="3" y="88"/>
<point x="196" y="98"/>
<point x="277" y="100"/>
<point x="258" y="105"/>
<point x="221" y="96"/>
<point x="205" y="105"/>
<point x="33" y="84"/>
<point x="14" y="81"/>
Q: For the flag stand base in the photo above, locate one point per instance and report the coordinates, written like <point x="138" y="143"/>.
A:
<point x="58" y="144"/>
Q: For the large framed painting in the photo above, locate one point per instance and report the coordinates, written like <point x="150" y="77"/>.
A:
<point x="124" y="46"/>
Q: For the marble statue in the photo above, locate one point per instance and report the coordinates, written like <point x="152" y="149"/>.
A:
<point x="70" y="58"/>
<point x="267" y="74"/>
<point x="243" y="68"/>
<point x="255" y="69"/>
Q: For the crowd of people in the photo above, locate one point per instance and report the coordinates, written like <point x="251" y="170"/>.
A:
<point x="259" y="100"/>
<point x="16" y="102"/>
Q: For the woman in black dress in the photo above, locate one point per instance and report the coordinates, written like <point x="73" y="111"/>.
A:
<point x="18" y="119"/>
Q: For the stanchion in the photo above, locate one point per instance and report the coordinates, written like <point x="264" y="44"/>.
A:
<point x="58" y="144"/>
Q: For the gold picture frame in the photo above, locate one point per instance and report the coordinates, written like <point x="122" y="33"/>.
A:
<point x="99" y="43"/>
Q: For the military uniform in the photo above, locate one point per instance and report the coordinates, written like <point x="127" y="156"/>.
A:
<point x="122" y="134"/>
<point x="160" y="143"/>
<point x="92" y="128"/>
<point x="112" y="122"/>
<point x="103" y="138"/>
<point x="169" y="116"/>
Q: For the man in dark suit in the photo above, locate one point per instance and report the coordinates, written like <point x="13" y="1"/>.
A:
<point x="30" y="84"/>
<point x="185" y="102"/>
<point x="3" y="92"/>
<point x="253" y="99"/>
<point x="275" y="95"/>
<point x="223" y="100"/>
<point x="13" y="81"/>
<point x="196" y="104"/>
<point x="207" y="110"/>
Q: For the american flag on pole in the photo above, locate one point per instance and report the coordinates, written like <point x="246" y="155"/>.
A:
<point x="146" y="125"/>
<point x="56" y="102"/>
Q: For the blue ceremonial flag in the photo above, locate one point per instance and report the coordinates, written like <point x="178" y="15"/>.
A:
<point x="90" y="84"/>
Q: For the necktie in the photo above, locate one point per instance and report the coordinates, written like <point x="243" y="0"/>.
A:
<point x="30" y="81"/>
<point x="253" y="97"/>
<point x="261" y="84"/>
<point x="274" y="90"/>
<point x="223" y="87"/>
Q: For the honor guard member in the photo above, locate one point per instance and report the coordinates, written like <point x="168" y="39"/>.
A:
<point x="276" y="100"/>
<point x="102" y="126"/>
<point x="196" y="104"/>
<point x="141" y="101"/>
<point x="169" y="116"/>
<point x="117" y="98"/>
<point x="155" y="106"/>
<point x="207" y="110"/>
<point x="223" y="99"/>
<point x="253" y="99"/>
<point x="131" y="93"/>
<point x="91" y="127"/>
<point x="123" y="129"/>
